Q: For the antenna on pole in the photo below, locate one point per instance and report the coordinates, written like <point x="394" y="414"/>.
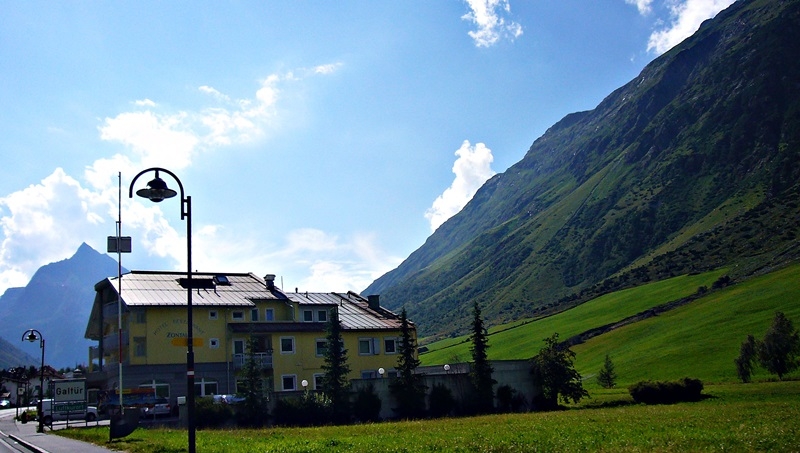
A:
<point x="119" y="244"/>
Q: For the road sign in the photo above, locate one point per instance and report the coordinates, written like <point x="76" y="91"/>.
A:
<point x="69" y="390"/>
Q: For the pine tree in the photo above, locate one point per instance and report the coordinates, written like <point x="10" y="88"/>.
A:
<point x="779" y="351"/>
<point x="407" y="388"/>
<point x="481" y="372"/>
<point x="335" y="384"/>
<point x="254" y="407"/>
<point x="607" y="377"/>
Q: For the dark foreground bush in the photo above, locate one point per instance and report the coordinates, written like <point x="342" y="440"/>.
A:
<point x="311" y="409"/>
<point x="208" y="414"/>
<point x="667" y="392"/>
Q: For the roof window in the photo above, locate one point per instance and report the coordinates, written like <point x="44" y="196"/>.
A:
<point x="222" y="280"/>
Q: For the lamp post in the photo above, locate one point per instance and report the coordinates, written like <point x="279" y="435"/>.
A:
<point x="32" y="335"/>
<point x="156" y="191"/>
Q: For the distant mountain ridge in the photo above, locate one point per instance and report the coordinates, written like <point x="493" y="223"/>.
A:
<point x="57" y="302"/>
<point x="693" y="165"/>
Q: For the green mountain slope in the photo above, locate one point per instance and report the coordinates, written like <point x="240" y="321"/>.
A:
<point x="700" y="339"/>
<point x="692" y="166"/>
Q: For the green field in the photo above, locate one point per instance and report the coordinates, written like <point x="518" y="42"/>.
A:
<point x="523" y="340"/>
<point x="697" y="340"/>
<point x="734" y="417"/>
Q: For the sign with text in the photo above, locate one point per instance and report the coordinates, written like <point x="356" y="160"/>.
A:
<point x="69" y="390"/>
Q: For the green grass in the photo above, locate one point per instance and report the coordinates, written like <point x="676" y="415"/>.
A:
<point x="522" y="341"/>
<point x="698" y="340"/>
<point x="752" y="417"/>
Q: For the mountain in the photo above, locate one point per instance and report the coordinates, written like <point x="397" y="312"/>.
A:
<point x="693" y="165"/>
<point x="57" y="302"/>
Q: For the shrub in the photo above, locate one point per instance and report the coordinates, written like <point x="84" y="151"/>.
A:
<point x="208" y="414"/>
<point x="367" y="406"/>
<point x="510" y="400"/>
<point x="441" y="401"/>
<point x="666" y="392"/>
<point x="311" y="409"/>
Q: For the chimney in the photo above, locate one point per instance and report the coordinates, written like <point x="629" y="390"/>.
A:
<point x="374" y="301"/>
<point x="270" y="279"/>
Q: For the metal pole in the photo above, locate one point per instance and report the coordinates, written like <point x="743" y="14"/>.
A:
<point x="41" y="388"/>
<point x="190" y="337"/>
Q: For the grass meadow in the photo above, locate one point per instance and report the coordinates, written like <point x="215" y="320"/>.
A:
<point x="762" y="416"/>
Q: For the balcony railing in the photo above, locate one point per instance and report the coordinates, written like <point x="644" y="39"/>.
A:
<point x="263" y="359"/>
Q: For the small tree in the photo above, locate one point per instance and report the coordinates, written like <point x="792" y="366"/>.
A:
<point x="334" y="382"/>
<point x="747" y="355"/>
<point x="481" y="371"/>
<point x="407" y="388"/>
<point x="253" y="411"/>
<point x="778" y="352"/>
<point x="554" y="372"/>
<point x="607" y="377"/>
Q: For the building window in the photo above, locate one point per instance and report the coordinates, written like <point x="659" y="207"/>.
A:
<point x="289" y="382"/>
<point x="141" y="317"/>
<point x="213" y="314"/>
<point x="322" y="347"/>
<point x="205" y="387"/>
<point x="237" y="316"/>
<point x="322" y="315"/>
<point x="254" y="315"/>
<point x="390" y="345"/>
<point x="308" y="316"/>
<point x="369" y="374"/>
<point x="366" y="346"/>
<point x="269" y="314"/>
<point x="140" y="346"/>
<point x="161" y="388"/>
<point x="318" y="381"/>
<point x="287" y="345"/>
<point x="213" y="343"/>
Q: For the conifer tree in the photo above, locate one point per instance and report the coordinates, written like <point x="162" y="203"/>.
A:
<point x="253" y="412"/>
<point x="407" y="388"/>
<point x="334" y="382"/>
<point x="747" y="355"/>
<point x="607" y="377"/>
<point x="481" y="371"/>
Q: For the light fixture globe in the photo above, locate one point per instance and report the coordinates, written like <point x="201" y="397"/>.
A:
<point x="156" y="190"/>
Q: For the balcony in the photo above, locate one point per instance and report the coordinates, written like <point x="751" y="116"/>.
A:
<point x="263" y="359"/>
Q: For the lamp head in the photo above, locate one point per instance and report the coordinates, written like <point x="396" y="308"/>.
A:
<point x="31" y="336"/>
<point x="156" y="190"/>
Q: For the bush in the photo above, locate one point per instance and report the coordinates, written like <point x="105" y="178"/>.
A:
<point x="666" y="392"/>
<point x="510" y="400"/>
<point x="311" y="409"/>
<point x="208" y="414"/>
<point x="441" y="401"/>
<point x="367" y="406"/>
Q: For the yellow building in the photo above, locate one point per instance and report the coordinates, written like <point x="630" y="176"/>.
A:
<point x="288" y="329"/>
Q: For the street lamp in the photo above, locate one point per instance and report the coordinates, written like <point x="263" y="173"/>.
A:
<point x="32" y="335"/>
<point x="156" y="191"/>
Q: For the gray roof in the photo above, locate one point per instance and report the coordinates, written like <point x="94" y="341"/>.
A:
<point x="156" y="288"/>
<point x="354" y="310"/>
<point x="145" y="288"/>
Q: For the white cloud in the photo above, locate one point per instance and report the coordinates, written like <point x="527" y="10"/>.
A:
<point x="644" y="6"/>
<point x="46" y="222"/>
<point x="491" y="27"/>
<point x="686" y="17"/>
<point x="472" y="168"/>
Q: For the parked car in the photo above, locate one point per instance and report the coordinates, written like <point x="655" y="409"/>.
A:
<point x="5" y="403"/>
<point x="160" y="406"/>
<point x="67" y="411"/>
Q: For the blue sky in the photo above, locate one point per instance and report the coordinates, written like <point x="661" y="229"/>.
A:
<point x="320" y="141"/>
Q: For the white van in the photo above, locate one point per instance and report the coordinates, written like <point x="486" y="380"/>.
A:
<point x="72" y="410"/>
